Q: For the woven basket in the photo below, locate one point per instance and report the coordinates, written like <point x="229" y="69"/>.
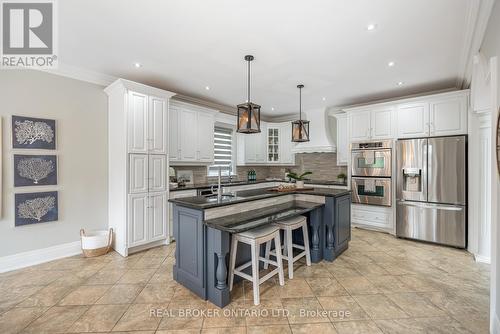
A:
<point x="96" y="243"/>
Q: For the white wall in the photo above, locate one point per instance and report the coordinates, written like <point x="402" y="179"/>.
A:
<point x="80" y="111"/>
<point x="491" y="48"/>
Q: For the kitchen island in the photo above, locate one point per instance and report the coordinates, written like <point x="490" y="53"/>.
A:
<point x="203" y="228"/>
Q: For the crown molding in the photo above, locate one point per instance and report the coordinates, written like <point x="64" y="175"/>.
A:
<point x="476" y="22"/>
<point x="81" y="74"/>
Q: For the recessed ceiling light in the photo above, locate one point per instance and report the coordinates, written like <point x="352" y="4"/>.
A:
<point x="401" y="83"/>
<point x="207" y="87"/>
<point x="324" y="98"/>
<point x="137" y="65"/>
<point x="272" y="108"/>
<point x="391" y="64"/>
<point x="371" y="27"/>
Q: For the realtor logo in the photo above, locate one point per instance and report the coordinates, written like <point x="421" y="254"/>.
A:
<point x="28" y="34"/>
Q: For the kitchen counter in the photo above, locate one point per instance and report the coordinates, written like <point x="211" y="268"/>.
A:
<point x="245" y="221"/>
<point x="202" y="202"/>
<point x="244" y="182"/>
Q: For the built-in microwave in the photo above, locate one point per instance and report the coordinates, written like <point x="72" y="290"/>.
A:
<point x="371" y="159"/>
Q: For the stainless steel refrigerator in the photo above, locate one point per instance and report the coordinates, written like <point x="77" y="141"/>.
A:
<point x="431" y="197"/>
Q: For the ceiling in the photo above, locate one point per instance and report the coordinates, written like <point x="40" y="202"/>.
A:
<point x="186" y="45"/>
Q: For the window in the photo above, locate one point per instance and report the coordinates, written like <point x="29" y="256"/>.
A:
<point x="223" y="152"/>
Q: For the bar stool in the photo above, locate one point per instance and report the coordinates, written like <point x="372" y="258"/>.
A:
<point x="288" y="226"/>
<point x="256" y="237"/>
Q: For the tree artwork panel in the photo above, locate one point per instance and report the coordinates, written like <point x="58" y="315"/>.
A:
<point x="34" y="133"/>
<point x="34" y="208"/>
<point x="35" y="170"/>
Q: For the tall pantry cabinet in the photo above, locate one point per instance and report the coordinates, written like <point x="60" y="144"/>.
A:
<point x="137" y="165"/>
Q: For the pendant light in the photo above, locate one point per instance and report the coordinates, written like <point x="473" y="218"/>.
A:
<point x="248" y="112"/>
<point x="300" y="128"/>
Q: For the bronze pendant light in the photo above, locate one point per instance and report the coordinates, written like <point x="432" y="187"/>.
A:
<point x="300" y="128"/>
<point x="248" y="112"/>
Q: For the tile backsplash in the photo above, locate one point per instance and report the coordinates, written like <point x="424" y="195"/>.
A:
<point x="322" y="165"/>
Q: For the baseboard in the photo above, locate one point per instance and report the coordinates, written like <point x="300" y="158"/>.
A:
<point x="140" y="248"/>
<point x="482" y="259"/>
<point x="30" y="258"/>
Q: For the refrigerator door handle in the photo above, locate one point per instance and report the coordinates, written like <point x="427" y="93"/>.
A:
<point x="430" y="206"/>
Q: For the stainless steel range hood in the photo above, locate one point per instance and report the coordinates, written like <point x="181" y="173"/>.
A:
<point x="319" y="134"/>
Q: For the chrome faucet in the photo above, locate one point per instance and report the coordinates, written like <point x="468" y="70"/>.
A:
<point x="219" y="186"/>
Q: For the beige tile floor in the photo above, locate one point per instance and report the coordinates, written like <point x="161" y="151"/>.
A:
<point x="380" y="285"/>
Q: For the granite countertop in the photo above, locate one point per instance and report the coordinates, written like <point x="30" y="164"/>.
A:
<point x="241" y="222"/>
<point x="202" y="202"/>
<point x="242" y="183"/>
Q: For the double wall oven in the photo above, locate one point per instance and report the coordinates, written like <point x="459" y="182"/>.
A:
<point x="371" y="170"/>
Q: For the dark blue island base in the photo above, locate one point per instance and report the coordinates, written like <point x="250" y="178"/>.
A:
<point x="203" y="242"/>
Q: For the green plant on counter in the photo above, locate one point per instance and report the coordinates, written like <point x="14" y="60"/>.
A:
<point x="342" y="176"/>
<point x="297" y="177"/>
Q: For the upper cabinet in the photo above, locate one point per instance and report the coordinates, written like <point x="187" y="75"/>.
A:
<point x="191" y="134"/>
<point x="342" y="139"/>
<point x="147" y="124"/>
<point x="371" y="123"/>
<point x="360" y="125"/>
<point x="443" y="114"/>
<point x="413" y="120"/>
<point x="273" y="145"/>
<point x="286" y="144"/>
<point x="448" y="116"/>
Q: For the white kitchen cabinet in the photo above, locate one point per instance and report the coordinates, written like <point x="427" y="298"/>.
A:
<point x="413" y="120"/>
<point x="442" y="114"/>
<point x="191" y="134"/>
<point x="373" y="217"/>
<point x="138" y="122"/>
<point x="137" y="165"/>
<point x="174" y="153"/>
<point x="205" y="137"/>
<point x="448" y="116"/>
<point x="273" y="144"/>
<point x="158" y="216"/>
<point x="157" y="128"/>
<point x="371" y="124"/>
<point x="157" y="178"/>
<point x="138" y="174"/>
<point x="147" y="173"/>
<point x="381" y="123"/>
<point x="186" y="129"/>
<point x="138" y="219"/>
<point x="360" y="125"/>
<point x="253" y="148"/>
<point x="342" y="139"/>
<point x="147" y="124"/>
<point x="286" y="144"/>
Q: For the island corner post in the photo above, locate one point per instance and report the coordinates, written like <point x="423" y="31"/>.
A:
<point x="202" y="251"/>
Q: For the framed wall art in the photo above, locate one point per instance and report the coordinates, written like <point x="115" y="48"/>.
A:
<point x="35" y="170"/>
<point x="34" y="208"/>
<point x="33" y="133"/>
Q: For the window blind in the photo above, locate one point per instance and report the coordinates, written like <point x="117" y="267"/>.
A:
<point x="223" y="152"/>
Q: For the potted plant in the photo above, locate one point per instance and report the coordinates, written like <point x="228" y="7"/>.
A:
<point x="342" y="177"/>
<point x="299" y="179"/>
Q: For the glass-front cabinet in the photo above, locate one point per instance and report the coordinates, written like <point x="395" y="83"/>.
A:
<point x="273" y="144"/>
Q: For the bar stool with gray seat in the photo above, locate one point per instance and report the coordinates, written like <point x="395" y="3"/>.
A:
<point x="288" y="226"/>
<point x="256" y="237"/>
